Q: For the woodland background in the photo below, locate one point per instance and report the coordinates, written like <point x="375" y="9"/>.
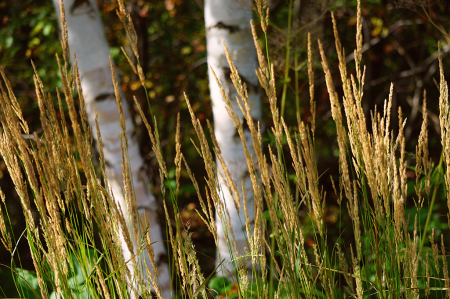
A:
<point x="401" y="42"/>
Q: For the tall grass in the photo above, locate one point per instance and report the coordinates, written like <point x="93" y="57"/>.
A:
<point x="384" y="260"/>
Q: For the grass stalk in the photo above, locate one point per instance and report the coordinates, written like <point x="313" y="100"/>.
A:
<point x="433" y="199"/>
<point x="286" y="78"/>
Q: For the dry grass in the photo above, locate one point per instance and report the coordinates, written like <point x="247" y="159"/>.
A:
<point x="61" y="180"/>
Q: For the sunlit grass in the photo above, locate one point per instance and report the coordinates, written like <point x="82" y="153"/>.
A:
<point x="76" y="245"/>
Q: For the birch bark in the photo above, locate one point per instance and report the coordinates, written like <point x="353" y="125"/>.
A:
<point x="87" y="40"/>
<point x="229" y="20"/>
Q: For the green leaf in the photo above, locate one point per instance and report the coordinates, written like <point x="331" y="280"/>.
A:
<point x="47" y="29"/>
<point x="186" y="50"/>
<point x="220" y="284"/>
<point x="77" y="280"/>
<point x="114" y="52"/>
<point x="37" y="28"/>
<point x="83" y="294"/>
<point x="9" y="41"/>
<point x="34" y="42"/>
<point x="266" y="215"/>
<point x="28" y="284"/>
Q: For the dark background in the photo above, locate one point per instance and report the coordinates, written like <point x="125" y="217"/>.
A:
<point x="401" y="39"/>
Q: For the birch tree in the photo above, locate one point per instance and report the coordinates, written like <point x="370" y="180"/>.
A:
<point x="87" y="41"/>
<point x="229" y="21"/>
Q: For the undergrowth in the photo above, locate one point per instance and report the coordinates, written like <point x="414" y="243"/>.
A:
<point x="75" y="243"/>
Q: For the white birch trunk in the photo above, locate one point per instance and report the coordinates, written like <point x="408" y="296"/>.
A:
<point x="87" y="40"/>
<point x="229" y="20"/>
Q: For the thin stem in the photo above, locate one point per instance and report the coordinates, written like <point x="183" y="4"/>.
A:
<point x="433" y="198"/>
<point x="297" y="96"/>
<point x="286" y="67"/>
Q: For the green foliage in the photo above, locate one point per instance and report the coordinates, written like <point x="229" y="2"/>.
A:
<point x="29" y="31"/>
<point x="28" y="286"/>
<point x="28" y="283"/>
<point x="173" y="61"/>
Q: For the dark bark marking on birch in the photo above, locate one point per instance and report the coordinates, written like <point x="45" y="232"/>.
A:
<point x="78" y="3"/>
<point x="102" y="97"/>
<point x="227" y="74"/>
<point x="230" y="28"/>
<point x="107" y="163"/>
<point x="245" y="174"/>
<point x="250" y="87"/>
<point x="139" y="207"/>
<point x="162" y="259"/>
<point x="245" y="128"/>
<point x="236" y="137"/>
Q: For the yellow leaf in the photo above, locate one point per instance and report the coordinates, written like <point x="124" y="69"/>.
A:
<point x="135" y="85"/>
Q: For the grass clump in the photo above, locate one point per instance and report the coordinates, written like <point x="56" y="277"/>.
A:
<point x="75" y="243"/>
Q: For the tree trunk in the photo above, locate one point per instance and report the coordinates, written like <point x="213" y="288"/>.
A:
<point x="87" y="40"/>
<point x="229" y="20"/>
